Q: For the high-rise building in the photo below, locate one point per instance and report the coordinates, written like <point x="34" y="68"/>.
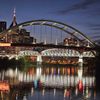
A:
<point x="3" y="25"/>
<point x="19" y="35"/>
<point x="16" y="36"/>
<point x="14" y="22"/>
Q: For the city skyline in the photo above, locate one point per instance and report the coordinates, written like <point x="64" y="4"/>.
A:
<point x="49" y="49"/>
<point x="81" y="14"/>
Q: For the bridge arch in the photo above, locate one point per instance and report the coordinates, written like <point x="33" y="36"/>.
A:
<point x="64" y="27"/>
<point x="66" y="53"/>
<point x="60" y="52"/>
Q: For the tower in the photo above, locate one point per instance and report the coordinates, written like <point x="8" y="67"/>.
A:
<point x="14" y="22"/>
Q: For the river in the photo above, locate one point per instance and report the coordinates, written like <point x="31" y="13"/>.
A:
<point x="49" y="82"/>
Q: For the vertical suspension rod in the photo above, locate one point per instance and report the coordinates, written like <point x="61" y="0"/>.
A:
<point x="45" y="39"/>
<point x="51" y="34"/>
<point x="61" y="36"/>
<point x="40" y="33"/>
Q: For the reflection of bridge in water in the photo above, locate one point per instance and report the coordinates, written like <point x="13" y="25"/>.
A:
<point x="71" y="79"/>
<point x="59" y="77"/>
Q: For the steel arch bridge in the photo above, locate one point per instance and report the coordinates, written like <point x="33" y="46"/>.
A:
<point x="68" y="52"/>
<point x="59" y="25"/>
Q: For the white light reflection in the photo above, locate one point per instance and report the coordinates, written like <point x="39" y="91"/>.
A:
<point x="54" y="91"/>
<point x="80" y="73"/>
<point x="32" y="91"/>
<point x="16" y="72"/>
<point x="58" y="71"/>
<point x="76" y="91"/>
<point x="11" y="73"/>
<point x="43" y="92"/>
<point x="38" y="72"/>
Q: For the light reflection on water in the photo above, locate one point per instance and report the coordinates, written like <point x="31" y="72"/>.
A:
<point x="50" y="83"/>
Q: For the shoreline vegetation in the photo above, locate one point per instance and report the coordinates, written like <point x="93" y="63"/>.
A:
<point x="24" y="61"/>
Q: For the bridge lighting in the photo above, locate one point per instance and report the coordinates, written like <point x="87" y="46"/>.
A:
<point x="54" y="24"/>
<point x="78" y="43"/>
<point x="76" y="32"/>
<point x="9" y="31"/>
<point x="43" y="23"/>
<point x="31" y="23"/>
<point x="27" y="24"/>
<point x="65" y="27"/>
<point x="80" y="59"/>
<point x="21" y="26"/>
<point x="88" y="45"/>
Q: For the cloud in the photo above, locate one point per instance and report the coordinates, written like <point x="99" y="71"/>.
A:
<point x="83" y="5"/>
<point x="95" y="27"/>
<point x="95" y="37"/>
<point x="95" y="13"/>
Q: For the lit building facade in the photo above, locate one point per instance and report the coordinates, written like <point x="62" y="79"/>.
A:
<point x="70" y="41"/>
<point x="17" y="36"/>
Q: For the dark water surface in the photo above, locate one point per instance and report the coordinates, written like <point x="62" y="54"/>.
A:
<point x="50" y="82"/>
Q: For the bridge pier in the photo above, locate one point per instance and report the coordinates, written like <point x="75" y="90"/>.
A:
<point x="80" y="70"/>
<point x="39" y="59"/>
<point x="80" y="61"/>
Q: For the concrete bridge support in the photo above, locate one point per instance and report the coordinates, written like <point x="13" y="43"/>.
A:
<point x="80" y="70"/>
<point x="80" y="61"/>
<point x="39" y="59"/>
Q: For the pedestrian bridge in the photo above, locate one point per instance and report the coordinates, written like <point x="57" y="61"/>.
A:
<point x="57" y="53"/>
<point x="54" y="52"/>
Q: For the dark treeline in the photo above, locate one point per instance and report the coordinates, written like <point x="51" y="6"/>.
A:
<point x="6" y="63"/>
<point x="98" y="70"/>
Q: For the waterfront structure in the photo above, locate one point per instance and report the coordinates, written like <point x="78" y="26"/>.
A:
<point x="3" y="26"/>
<point x="17" y="36"/>
<point x="77" y="46"/>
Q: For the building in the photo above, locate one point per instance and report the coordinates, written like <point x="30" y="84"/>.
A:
<point x="70" y="41"/>
<point x="20" y="35"/>
<point x="3" y="25"/>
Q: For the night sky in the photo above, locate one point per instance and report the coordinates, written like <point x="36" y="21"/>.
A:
<point x="84" y="15"/>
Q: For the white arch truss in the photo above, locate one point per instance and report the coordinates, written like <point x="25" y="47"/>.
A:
<point x="28" y="53"/>
<point x="66" y="53"/>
